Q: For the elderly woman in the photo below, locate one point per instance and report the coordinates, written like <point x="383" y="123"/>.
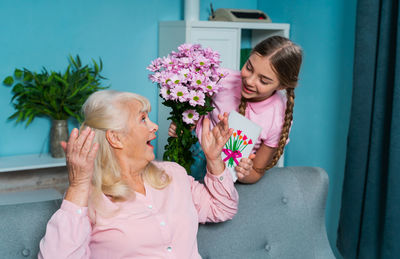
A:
<point x="122" y="204"/>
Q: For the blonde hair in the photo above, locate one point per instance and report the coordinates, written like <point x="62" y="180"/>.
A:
<point x="107" y="110"/>
<point x="286" y="58"/>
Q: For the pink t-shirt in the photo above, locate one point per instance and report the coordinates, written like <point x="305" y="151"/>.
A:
<point x="161" y="224"/>
<point x="269" y="114"/>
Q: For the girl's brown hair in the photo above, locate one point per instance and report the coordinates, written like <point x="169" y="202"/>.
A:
<point x="285" y="58"/>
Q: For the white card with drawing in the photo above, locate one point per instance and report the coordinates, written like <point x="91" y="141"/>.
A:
<point x="241" y="142"/>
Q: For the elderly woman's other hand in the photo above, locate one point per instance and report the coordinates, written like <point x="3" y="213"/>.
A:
<point x="80" y="155"/>
<point x="212" y="142"/>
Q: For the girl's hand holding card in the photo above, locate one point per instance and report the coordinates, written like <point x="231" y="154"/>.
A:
<point x="245" y="166"/>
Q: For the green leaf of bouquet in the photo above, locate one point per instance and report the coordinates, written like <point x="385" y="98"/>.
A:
<point x="8" y="81"/>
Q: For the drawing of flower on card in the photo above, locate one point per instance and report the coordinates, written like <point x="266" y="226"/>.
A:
<point x="235" y="146"/>
<point x="241" y="143"/>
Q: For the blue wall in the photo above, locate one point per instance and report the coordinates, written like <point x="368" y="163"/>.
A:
<point x="325" y="29"/>
<point x="43" y="33"/>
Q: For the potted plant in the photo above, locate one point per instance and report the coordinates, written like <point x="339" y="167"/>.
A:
<point x="54" y="94"/>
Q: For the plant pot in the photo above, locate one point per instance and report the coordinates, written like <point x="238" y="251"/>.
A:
<point x="58" y="133"/>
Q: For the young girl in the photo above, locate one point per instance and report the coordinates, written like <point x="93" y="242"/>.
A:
<point x="273" y="65"/>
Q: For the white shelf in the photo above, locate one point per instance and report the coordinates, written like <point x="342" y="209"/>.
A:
<point x="27" y="162"/>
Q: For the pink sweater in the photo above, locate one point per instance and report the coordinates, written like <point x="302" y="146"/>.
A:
<point x="161" y="224"/>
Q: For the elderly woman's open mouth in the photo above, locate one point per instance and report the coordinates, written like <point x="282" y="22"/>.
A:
<point x="149" y="142"/>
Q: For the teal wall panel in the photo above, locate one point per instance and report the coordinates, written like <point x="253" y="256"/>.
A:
<point x="43" y="33"/>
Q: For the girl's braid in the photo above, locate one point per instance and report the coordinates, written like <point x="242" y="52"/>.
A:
<point x="285" y="131"/>
<point x="285" y="128"/>
<point x="242" y="106"/>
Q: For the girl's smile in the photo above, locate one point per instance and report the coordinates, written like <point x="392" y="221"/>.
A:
<point x="246" y="89"/>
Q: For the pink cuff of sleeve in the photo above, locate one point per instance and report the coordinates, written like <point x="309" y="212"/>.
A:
<point x="73" y="208"/>
<point x="224" y="176"/>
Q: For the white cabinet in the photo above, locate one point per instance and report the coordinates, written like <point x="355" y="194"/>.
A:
<point x="224" y="37"/>
<point x="224" y="40"/>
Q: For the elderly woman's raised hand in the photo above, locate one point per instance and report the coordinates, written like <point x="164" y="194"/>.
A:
<point x="212" y="142"/>
<point x="80" y="155"/>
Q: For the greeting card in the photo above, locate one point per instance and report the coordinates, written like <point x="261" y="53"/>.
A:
<point x="241" y="142"/>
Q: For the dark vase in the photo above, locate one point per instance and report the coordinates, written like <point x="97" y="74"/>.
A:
<point x="58" y="133"/>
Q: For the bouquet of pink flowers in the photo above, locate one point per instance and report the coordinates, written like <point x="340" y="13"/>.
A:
<point x="187" y="79"/>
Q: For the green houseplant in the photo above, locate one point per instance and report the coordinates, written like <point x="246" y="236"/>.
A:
<point x="54" y="94"/>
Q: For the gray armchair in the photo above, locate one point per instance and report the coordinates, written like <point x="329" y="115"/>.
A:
<point x="281" y="216"/>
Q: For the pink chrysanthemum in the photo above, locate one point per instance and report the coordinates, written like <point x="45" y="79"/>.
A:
<point x="190" y="116"/>
<point x="166" y="93"/>
<point x="180" y="93"/>
<point x="196" y="98"/>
